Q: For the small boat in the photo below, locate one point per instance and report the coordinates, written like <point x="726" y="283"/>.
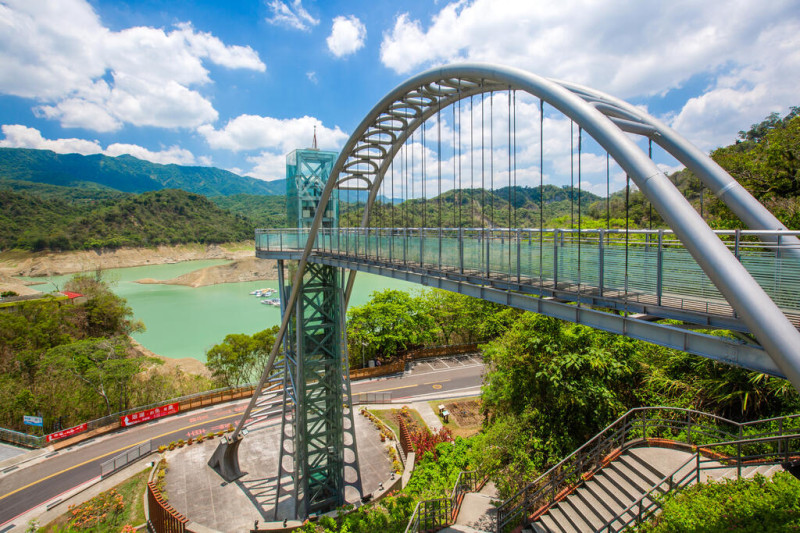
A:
<point x="261" y="293"/>
<point x="276" y="302"/>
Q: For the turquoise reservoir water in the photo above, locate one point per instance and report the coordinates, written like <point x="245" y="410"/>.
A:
<point x="185" y="322"/>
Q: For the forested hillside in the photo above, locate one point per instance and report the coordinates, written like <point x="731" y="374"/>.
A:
<point x="765" y="160"/>
<point x="478" y="208"/>
<point x="70" y="202"/>
<point x="125" y="173"/>
<point x="159" y="217"/>
<point x="264" y="211"/>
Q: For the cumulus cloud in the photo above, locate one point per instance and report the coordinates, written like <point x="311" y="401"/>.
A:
<point x="291" y="15"/>
<point x="86" y="75"/>
<point x="749" y="52"/>
<point x="18" y="136"/>
<point x="273" y="137"/>
<point x="267" y="166"/>
<point x="253" y="132"/>
<point x="347" y="36"/>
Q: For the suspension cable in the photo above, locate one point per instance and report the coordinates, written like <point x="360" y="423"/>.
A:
<point x="541" y="198"/>
<point x="483" y="160"/>
<point x="580" y="147"/>
<point x="424" y="185"/>
<point x="516" y="224"/>
<point x="509" y="181"/>
<point x="627" y="234"/>
<point x="439" y="161"/>
<point x="391" y="201"/>
<point x="471" y="164"/>
<point x="491" y="157"/>
<point x="509" y="165"/>
<point x="571" y="175"/>
<point x="460" y="188"/>
<point x="455" y="169"/>
<point x="413" y="141"/>
<point x="649" y="203"/>
<point x="608" y="192"/>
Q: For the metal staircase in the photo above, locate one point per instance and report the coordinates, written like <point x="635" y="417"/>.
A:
<point x="611" y="482"/>
<point x="622" y="493"/>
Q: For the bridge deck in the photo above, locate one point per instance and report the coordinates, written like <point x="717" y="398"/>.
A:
<point x="653" y="275"/>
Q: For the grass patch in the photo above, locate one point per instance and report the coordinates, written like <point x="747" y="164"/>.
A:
<point x="466" y="417"/>
<point x="390" y="416"/>
<point x="124" y="505"/>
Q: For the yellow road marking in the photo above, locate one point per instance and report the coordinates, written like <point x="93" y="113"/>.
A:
<point x="437" y="386"/>
<point x="110" y="453"/>
<point x="402" y="387"/>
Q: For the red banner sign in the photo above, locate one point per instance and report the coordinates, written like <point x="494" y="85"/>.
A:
<point x="66" y="432"/>
<point x="149" y="414"/>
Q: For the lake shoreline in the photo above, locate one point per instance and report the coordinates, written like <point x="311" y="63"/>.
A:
<point x="42" y="264"/>
<point x="238" y="271"/>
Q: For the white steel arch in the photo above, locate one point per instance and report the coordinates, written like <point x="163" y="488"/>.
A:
<point x="371" y="148"/>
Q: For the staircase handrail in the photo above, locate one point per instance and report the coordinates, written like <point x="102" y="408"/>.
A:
<point x="694" y="475"/>
<point x="644" y="512"/>
<point x="472" y="480"/>
<point x="548" y="487"/>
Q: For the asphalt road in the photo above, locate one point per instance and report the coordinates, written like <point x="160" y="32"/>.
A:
<point x="43" y="480"/>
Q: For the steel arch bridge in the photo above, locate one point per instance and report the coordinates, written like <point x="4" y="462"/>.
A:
<point x="772" y="339"/>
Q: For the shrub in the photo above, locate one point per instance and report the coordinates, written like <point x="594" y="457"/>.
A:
<point x="425" y="441"/>
<point x="757" y="504"/>
<point x="106" y="507"/>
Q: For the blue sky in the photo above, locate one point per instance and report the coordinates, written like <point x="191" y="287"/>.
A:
<point x="238" y="84"/>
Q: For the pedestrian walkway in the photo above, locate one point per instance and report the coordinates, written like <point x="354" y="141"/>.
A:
<point x="477" y="512"/>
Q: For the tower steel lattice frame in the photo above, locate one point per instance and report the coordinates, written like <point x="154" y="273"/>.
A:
<point x="318" y="446"/>
<point x="371" y="148"/>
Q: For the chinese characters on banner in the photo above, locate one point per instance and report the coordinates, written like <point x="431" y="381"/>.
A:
<point x="66" y="433"/>
<point x="148" y="414"/>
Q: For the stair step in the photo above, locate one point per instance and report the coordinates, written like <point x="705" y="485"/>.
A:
<point x="642" y="481"/>
<point x="617" y="485"/>
<point x="600" y="513"/>
<point x="609" y="503"/>
<point x="556" y="521"/>
<point x="577" y="513"/>
<point x="645" y="464"/>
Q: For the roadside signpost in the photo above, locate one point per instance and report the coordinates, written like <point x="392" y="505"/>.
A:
<point x="29" y="420"/>
<point x="149" y="414"/>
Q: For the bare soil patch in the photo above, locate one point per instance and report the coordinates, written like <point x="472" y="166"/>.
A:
<point x="466" y="416"/>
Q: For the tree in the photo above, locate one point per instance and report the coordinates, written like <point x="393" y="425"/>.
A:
<point x="231" y="362"/>
<point x="390" y="322"/>
<point x="550" y="387"/>
<point x="104" y="313"/>
<point x="103" y="365"/>
<point x="264" y="340"/>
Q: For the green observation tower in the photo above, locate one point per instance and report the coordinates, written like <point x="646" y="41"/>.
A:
<point x="318" y="457"/>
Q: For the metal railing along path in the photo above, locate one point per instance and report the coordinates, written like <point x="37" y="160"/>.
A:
<point x="441" y="512"/>
<point x="653" y="269"/>
<point x="125" y="458"/>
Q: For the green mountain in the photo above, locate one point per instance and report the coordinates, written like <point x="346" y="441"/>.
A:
<point x="168" y="216"/>
<point x="264" y="211"/>
<point x="518" y="207"/>
<point x="125" y="173"/>
<point x="766" y="161"/>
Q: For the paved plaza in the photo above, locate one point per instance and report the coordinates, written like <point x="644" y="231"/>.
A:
<point x="205" y="498"/>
